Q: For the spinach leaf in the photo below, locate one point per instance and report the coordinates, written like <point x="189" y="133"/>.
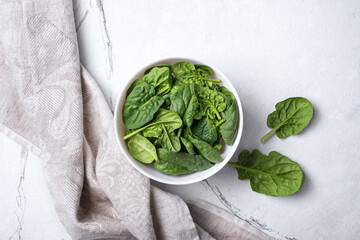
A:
<point x="179" y="131"/>
<point x="166" y="136"/>
<point x="176" y="85"/>
<point x="160" y="78"/>
<point x="140" y="106"/>
<point x="290" y="117"/>
<point x="205" y="130"/>
<point x="211" y="102"/>
<point x="180" y="163"/>
<point x="229" y="129"/>
<point x="166" y="117"/>
<point x="185" y="103"/>
<point x="169" y="140"/>
<point x="204" y="148"/>
<point x="134" y="84"/>
<point x="227" y="126"/>
<point x="188" y="145"/>
<point x="170" y="169"/>
<point x="175" y="88"/>
<point x="203" y="70"/>
<point x="229" y="97"/>
<point x="156" y="143"/>
<point x="198" y="115"/>
<point x="142" y="149"/>
<point x="217" y="146"/>
<point x="186" y="72"/>
<point x="274" y="175"/>
<point x="191" y="111"/>
<point x="158" y="65"/>
<point x="167" y="102"/>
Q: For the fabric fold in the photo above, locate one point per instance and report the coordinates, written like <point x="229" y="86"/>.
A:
<point x="51" y="105"/>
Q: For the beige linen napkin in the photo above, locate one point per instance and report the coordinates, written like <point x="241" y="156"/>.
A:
<point x="51" y="105"/>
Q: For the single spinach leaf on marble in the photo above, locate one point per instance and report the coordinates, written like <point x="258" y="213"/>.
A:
<point x="188" y="145"/>
<point x="185" y="103"/>
<point x="187" y="73"/>
<point x="160" y="78"/>
<point x="211" y="102"/>
<point x="205" y="130"/>
<point x="203" y="147"/>
<point x="157" y="65"/>
<point x="140" y="106"/>
<point x="165" y="135"/>
<point x="180" y="163"/>
<point x="203" y="70"/>
<point x="142" y="149"/>
<point x="166" y="117"/>
<point x="290" y="117"/>
<point x="274" y="175"/>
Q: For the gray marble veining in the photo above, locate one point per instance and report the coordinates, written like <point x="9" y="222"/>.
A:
<point x="20" y="198"/>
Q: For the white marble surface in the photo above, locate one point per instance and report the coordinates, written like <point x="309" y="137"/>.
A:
<point x="271" y="50"/>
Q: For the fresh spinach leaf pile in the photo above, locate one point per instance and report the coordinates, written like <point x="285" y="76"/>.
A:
<point x="176" y="116"/>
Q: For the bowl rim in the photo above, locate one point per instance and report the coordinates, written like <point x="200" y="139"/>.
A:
<point x="181" y="181"/>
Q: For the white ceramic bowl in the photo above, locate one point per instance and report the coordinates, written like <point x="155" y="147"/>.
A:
<point x="148" y="169"/>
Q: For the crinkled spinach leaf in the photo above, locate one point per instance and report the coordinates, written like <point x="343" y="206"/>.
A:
<point x="211" y="102"/>
<point x="203" y="70"/>
<point x="229" y="97"/>
<point x="205" y="130"/>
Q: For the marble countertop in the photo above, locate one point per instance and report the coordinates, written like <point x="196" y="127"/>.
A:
<point x="270" y="50"/>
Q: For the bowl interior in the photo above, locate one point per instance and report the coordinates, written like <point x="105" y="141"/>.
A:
<point x="149" y="170"/>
